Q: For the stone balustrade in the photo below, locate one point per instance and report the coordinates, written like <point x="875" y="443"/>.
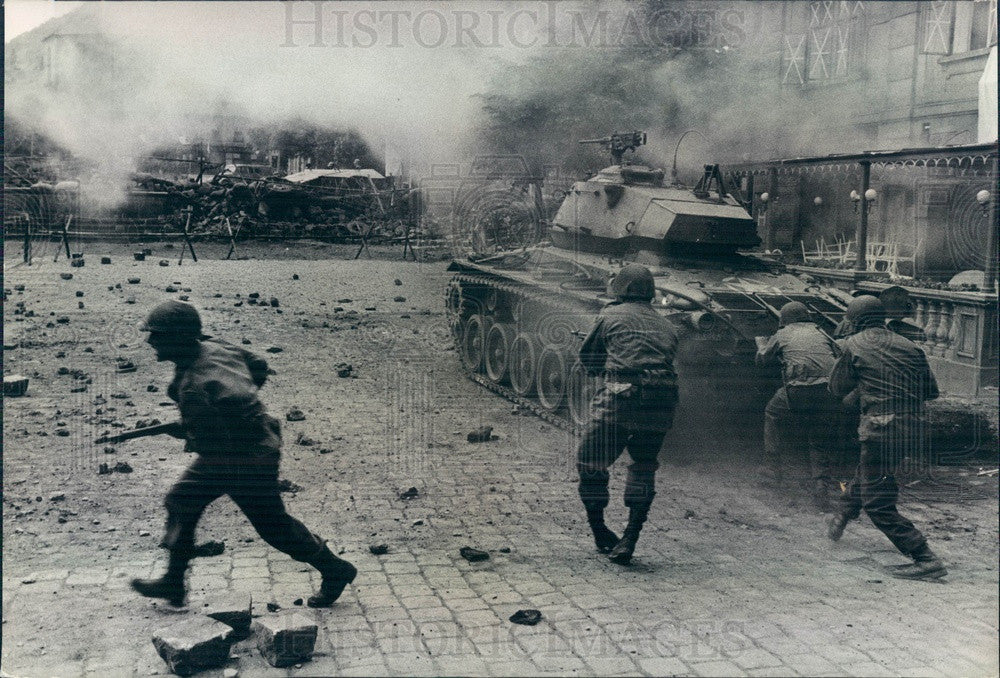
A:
<point x="961" y="328"/>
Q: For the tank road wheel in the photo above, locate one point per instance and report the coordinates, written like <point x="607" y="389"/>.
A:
<point x="490" y="302"/>
<point x="551" y="378"/>
<point x="580" y="390"/>
<point x="522" y="365"/>
<point x="473" y="338"/>
<point x="453" y="309"/>
<point x="497" y="351"/>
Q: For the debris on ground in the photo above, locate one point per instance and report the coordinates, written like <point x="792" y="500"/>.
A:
<point x="193" y="645"/>
<point x="14" y="385"/>
<point x="285" y="485"/>
<point x="526" y="617"/>
<point x="295" y="414"/>
<point x="304" y="440"/>
<point x="120" y="467"/>
<point x="274" y="349"/>
<point x="124" y="366"/>
<point x="232" y="609"/>
<point x="379" y="549"/>
<point x="344" y="370"/>
<point x="286" y="639"/>
<point x="473" y="555"/>
<point x="273" y="607"/>
<point x="482" y="434"/>
<point x="411" y="493"/>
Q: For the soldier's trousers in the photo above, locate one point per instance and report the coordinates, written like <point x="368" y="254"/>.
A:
<point x="636" y="420"/>
<point x="252" y="483"/>
<point x="801" y="417"/>
<point x="885" y="439"/>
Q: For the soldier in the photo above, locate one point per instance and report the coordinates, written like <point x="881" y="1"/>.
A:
<point x="897" y="308"/>
<point x="239" y="447"/>
<point x="893" y="380"/>
<point x="633" y="346"/>
<point x="803" y="407"/>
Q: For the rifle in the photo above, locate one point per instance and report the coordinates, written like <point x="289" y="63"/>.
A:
<point x="171" y="428"/>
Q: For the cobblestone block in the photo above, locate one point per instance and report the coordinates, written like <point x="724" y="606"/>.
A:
<point x="286" y="639"/>
<point x="233" y="609"/>
<point x="193" y="645"/>
<point x="664" y="666"/>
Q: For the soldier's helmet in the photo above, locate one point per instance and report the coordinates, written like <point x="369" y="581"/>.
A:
<point x="896" y="301"/>
<point x="633" y="283"/>
<point x="865" y="311"/>
<point x="793" y="312"/>
<point x="173" y="317"/>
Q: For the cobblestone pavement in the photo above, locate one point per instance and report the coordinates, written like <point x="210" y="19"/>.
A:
<point x="729" y="578"/>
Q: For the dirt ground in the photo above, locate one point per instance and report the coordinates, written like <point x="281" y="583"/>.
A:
<point x="730" y="578"/>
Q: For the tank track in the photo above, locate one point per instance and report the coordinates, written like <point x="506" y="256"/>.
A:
<point x="522" y="293"/>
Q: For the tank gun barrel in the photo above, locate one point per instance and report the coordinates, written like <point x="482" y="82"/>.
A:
<point x="619" y="143"/>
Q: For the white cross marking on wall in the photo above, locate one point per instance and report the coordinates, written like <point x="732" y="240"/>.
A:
<point x="821" y="52"/>
<point x="814" y="7"/>
<point x="842" y="34"/>
<point x="795" y="58"/>
<point x="935" y="27"/>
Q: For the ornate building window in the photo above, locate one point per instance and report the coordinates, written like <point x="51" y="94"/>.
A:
<point x="954" y="28"/>
<point x="823" y="42"/>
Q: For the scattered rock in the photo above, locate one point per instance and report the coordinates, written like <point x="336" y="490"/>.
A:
<point x="379" y="549"/>
<point x="273" y="607"/>
<point x="130" y="300"/>
<point x="254" y="295"/>
<point x="274" y="349"/>
<point x="417" y="523"/>
<point x="184" y="297"/>
<point x="411" y="493"/>
<point x="295" y="276"/>
<point x="14" y="385"/>
<point x="139" y="256"/>
<point x="19" y="288"/>
<point x="297" y="601"/>
<point x="120" y="467"/>
<point x="105" y="260"/>
<point x="125" y="366"/>
<point x="304" y="440"/>
<point x="397" y="282"/>
<point x="295" y="414"/>
<point x="325" y="450"/>
<point x="480" y="435"/>
<point x="79" y="293"/>
<point x="285" y="485"/>
<point x="344" y="301"/>
<point x="689" y="514"/>
<point x="505" y="549"/>
<point x="230" y="673"/>
<point x="193" y="645"/>
<point x="232" y="609"/>
<point x="152" y="388"/>
<point x="344" y="370"/>
<point x="274" y="302"/>
<point x="399" y="299"/>
<point x="473" y="555"/>
<point x="169" y="289"/>
<point x="133" y="281"/>
<point x="286" y="639"/>
<point x="66" y="276"/>
<point x="526" y="617"/>
<point x="164" y="262"/>
<point x="57" y="496"/>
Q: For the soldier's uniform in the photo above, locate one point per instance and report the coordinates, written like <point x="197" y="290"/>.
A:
<point x="893" y="379"/>
<point x="239" y="449"/>
<point x="633" y="347"/>
<point x="803" y="409"/>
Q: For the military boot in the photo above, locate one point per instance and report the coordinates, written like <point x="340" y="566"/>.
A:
<point x="604" y="538"/>
<point x="835" y="525"/>
<point x="925" y="565"/>
<point x="337" y="574"/>
<point x="170" y="586"/>
<point x="621" y="554"/>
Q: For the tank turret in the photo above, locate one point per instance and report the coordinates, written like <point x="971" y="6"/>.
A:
<point x="627" y="208"/>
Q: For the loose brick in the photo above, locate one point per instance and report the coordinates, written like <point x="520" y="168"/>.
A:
<point x="193" y="645"/>
<point x="233" y="609"/>
<point x="286" y="639"/>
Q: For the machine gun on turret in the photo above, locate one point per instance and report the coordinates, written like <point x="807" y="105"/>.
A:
<point x="619" y="143"/>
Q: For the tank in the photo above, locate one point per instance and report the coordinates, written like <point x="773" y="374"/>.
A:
<point x="518" y="317"/>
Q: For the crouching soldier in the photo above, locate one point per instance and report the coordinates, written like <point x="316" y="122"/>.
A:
<point x="893" y="380"/>
<point x="238" y="445"/>
<point x="633" y="346"/>
<point x="803" y="409"/>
